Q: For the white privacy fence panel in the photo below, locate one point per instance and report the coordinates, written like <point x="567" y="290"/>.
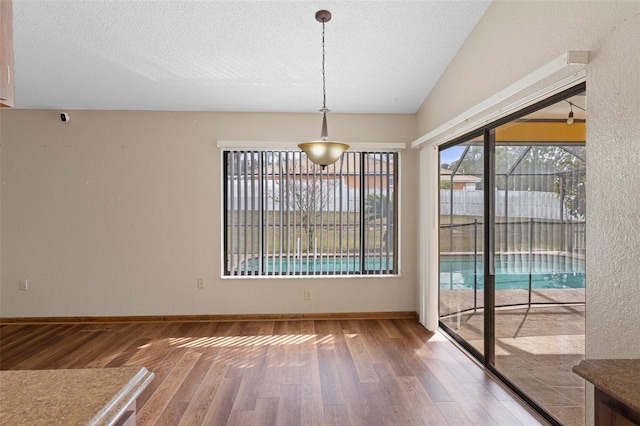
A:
<point x="542" y="205"/>
<point x="536" y="204"/>
<point x="334" y="195"/>
<point x="465" y="202"/>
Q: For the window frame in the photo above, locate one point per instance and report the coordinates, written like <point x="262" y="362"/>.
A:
<point x="393" y="150"/>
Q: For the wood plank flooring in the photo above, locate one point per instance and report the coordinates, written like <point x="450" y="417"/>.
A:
<point x="303" y="372"/>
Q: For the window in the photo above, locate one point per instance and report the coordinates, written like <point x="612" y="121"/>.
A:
<point x="284" y="215"/>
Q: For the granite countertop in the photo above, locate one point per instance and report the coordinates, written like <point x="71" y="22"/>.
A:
<point x="71" y="397"/>
<point x="620" y="378"/>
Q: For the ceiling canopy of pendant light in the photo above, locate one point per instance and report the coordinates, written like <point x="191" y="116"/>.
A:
<point x="323" y="152"/>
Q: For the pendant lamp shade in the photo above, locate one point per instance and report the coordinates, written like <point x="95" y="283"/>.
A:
<point x="323" y="153"/>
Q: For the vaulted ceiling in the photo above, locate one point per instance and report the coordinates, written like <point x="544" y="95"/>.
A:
<point x="381" y="56"/>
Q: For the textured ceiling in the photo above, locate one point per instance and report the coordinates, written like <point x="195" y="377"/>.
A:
<point x="381" y="56"/>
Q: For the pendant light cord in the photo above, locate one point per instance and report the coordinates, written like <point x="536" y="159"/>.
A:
<point x="323" y="152"/>
<point x="324" y="79"/>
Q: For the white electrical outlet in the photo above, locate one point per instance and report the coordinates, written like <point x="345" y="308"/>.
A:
<point x="200" y="282"/>
<point x="307" y="294"/>
<point x="24" y="285"/>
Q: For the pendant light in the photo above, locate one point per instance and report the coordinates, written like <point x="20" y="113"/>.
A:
<point x="324" y="151"/>
<point x="570" y="117"/>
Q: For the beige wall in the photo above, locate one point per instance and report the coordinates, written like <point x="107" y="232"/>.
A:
<point x="613" y="199"/>
<point x="0" y="208"/>
<point x="118" y="213"/>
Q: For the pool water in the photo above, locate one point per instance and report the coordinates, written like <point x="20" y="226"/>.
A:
<point x="512" y="272"/>
<point x="456" y="272"/>
<point x="328" y="265"/>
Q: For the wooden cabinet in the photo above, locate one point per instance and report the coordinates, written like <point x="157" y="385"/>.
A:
<point x="6" y="53"/>
<point x="617" y="390"/>
<point x="611" y="412"/>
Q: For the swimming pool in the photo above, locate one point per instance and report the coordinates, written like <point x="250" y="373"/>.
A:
<point x="512" y="272"/>
<point x="328" y="265"/>
<point x="456" y="272"/>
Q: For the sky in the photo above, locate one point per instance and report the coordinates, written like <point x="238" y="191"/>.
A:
<point x="451" y="154"/>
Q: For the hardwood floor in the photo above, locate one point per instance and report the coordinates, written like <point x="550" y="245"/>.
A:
<point x="311" y="372"/>
<point x="536" y="348"/>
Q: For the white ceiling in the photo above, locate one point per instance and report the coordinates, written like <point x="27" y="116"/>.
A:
<point x="243" y="55"/>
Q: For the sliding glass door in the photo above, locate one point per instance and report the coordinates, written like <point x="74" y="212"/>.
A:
<point x="512" y="247"/>
<point x="461" y="240"/>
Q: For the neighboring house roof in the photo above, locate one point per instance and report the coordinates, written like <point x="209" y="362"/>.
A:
<point x="348" y="165"/>
<point x="445" y="174"/>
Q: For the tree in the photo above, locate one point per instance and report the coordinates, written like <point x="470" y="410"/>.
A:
<point x="571" y="185"/>
<point x="308" y="198"/>
<point x="445" y="184"/>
